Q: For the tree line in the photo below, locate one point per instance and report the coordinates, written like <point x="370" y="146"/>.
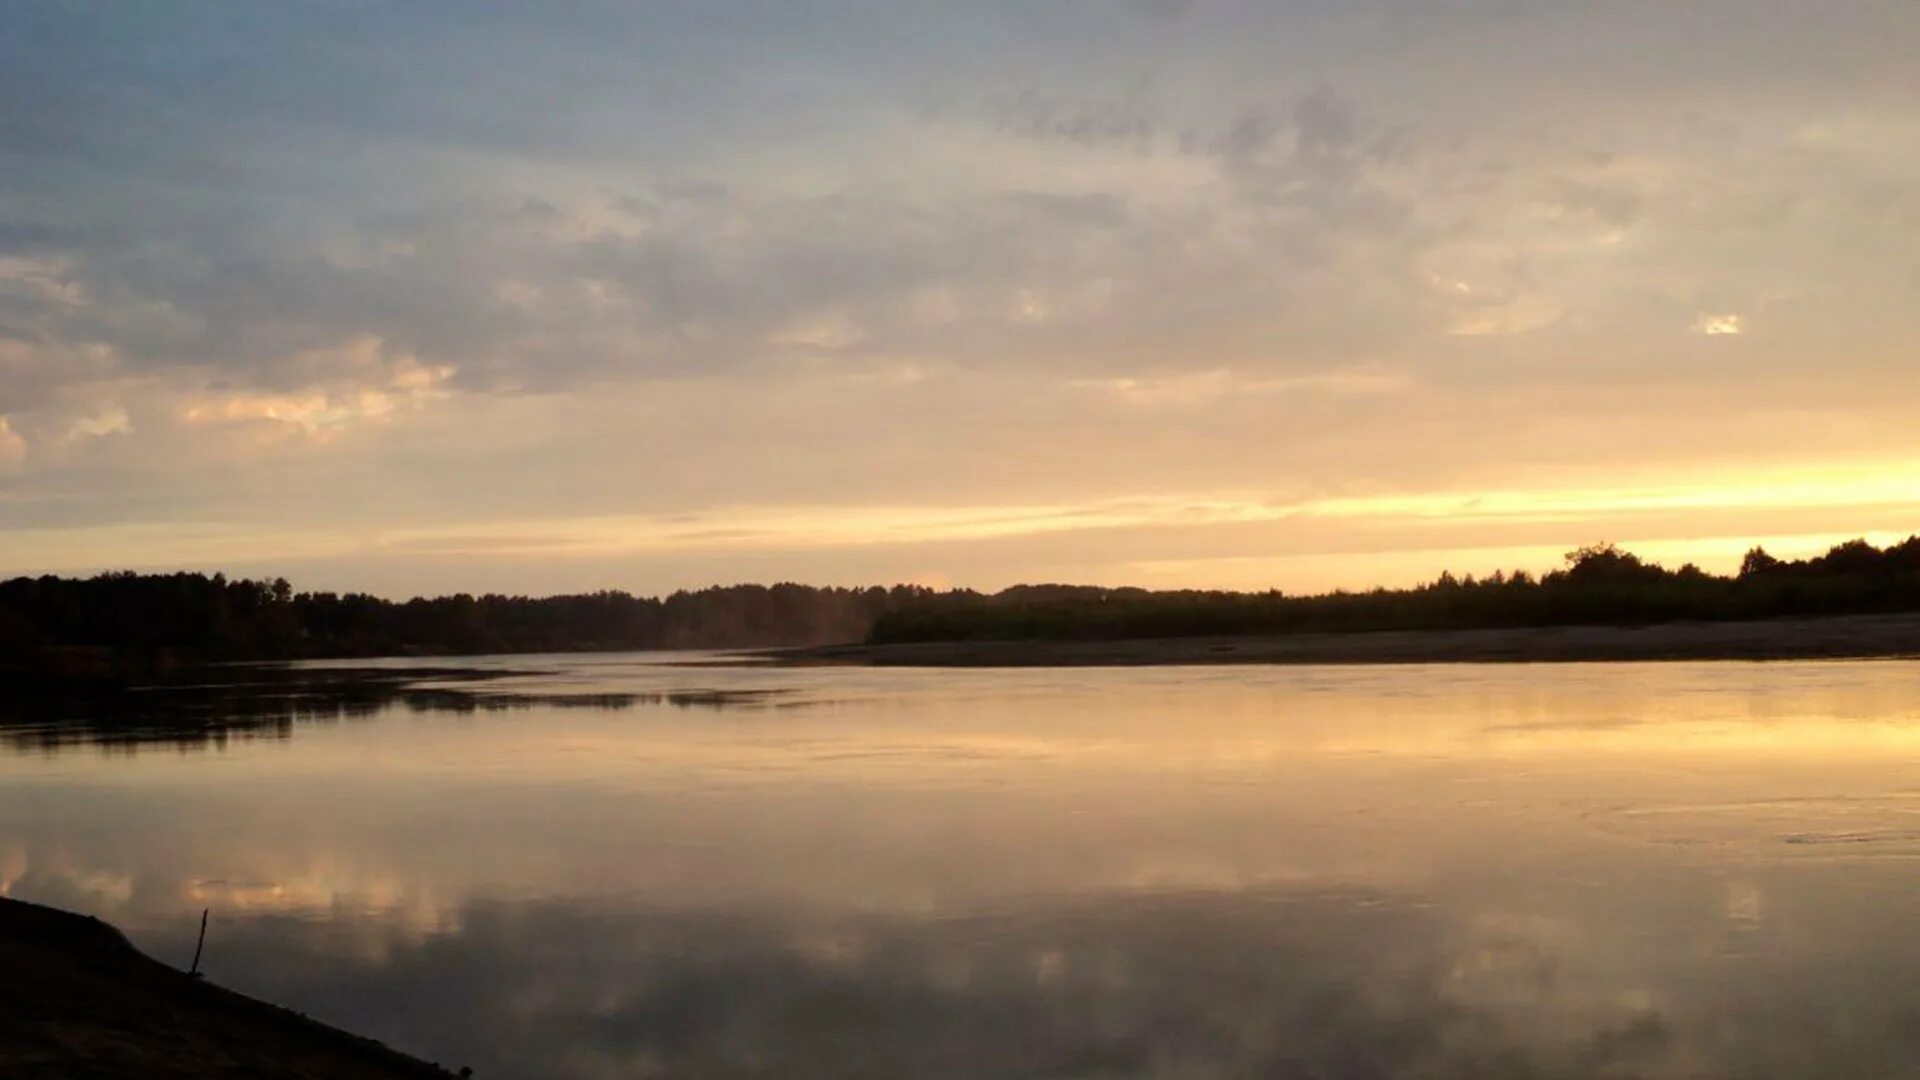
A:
<point x="1601" y="584"/>
<point x="129" y="625"/>
<point x="125" y="624"/>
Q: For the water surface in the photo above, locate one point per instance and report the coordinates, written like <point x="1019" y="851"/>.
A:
<point x="619" y="866"/>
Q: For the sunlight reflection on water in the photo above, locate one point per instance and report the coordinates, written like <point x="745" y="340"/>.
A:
<point x="609" y="865"/>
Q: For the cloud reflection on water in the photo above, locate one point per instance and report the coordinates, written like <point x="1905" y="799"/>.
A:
<point x="1663" y="870"/>
<point x="1326" y="982"/>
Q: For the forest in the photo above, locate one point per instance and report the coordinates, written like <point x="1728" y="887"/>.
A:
<point x="127" y="625"/>
<point x="1601" y="585"/>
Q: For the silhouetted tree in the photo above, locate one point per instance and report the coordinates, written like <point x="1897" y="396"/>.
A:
<point x="123" y="623"/>
<point x="1600" y="584"/>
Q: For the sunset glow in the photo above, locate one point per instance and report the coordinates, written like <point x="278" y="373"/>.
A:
<point x="1182" y="294"/>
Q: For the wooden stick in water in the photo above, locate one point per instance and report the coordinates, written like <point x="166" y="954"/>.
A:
<point x="195" y="969"/>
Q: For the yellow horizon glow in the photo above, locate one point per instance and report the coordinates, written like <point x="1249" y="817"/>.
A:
<point x="733" y="528"/>
<point x="797" y="530"/>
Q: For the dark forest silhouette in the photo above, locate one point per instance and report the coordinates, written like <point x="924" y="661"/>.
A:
<point x="126" y="625"/>
<point x="1600" y="585"/>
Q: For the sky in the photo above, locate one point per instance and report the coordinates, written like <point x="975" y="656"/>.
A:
<point x="479" y="296"/>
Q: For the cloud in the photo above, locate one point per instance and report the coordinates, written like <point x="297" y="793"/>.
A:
<point x="111" y="420"/>
<point x="1124" y="122"/>
<point x="13" y="448"/>
<point x="1071" y="251"/>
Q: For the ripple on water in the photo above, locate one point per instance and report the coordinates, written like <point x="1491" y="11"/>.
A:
<point x="1877" y="826"/>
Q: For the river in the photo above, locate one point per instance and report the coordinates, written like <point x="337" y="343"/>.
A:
<point x="640" y="865"/>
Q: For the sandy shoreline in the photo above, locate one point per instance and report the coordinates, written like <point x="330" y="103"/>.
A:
<point x="77" y="1000"/>
<point x="1837" y="637"/>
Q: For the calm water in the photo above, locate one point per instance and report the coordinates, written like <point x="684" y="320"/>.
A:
<point x="632" y="869"/>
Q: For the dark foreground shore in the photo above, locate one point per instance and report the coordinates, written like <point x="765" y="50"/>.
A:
<point x="1839" y="637"/>
<point x="78" y="1001"/>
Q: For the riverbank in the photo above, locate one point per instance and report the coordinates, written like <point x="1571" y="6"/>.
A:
<point x="78" y="1000"/>
<point x="1837" y="637"/>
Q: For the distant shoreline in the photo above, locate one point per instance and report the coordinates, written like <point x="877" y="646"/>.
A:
<point x="1826" y="638"/>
